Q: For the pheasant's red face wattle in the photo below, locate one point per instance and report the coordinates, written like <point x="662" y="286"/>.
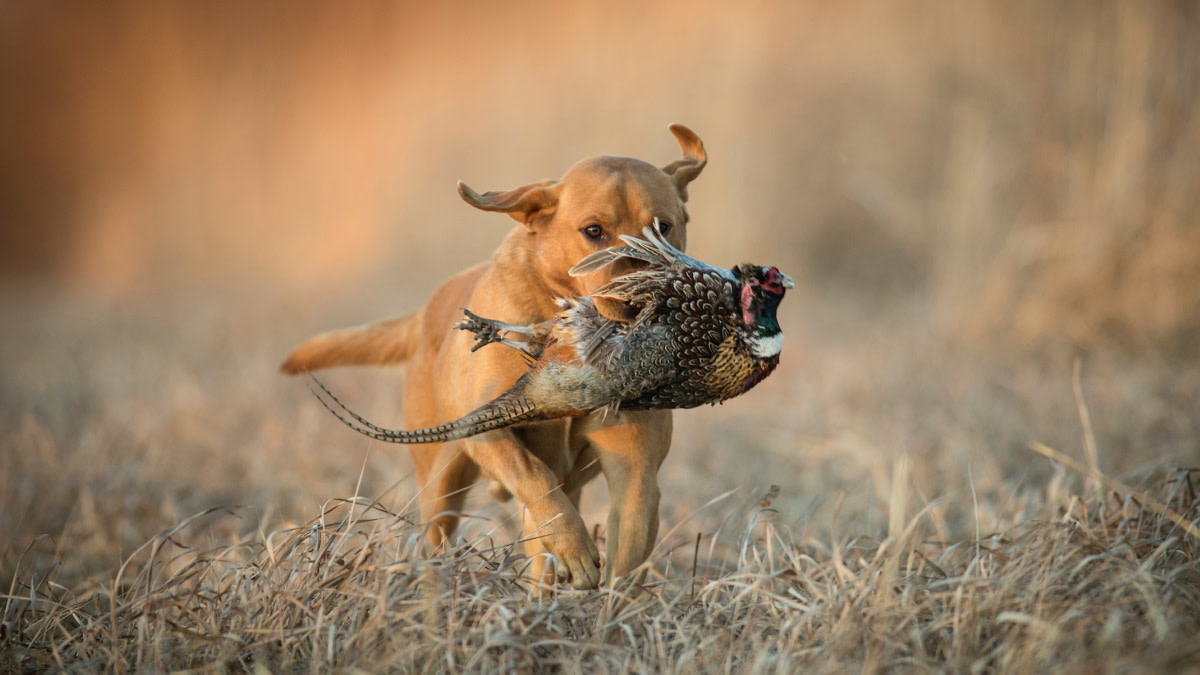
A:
<point x="774" y="281"/>
<point x="747" y="302"/>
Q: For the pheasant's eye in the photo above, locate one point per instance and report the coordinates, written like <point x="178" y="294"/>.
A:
<point x="775" y="281"/>
<point x="664" y="227"/>
<point x="593" y="231"/>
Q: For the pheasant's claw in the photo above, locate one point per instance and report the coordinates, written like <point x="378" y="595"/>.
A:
<point x="474" y="323"/>
<point x="489" y="331"/>
<point x="486" y="332"/>
<point x="482" y="340"/>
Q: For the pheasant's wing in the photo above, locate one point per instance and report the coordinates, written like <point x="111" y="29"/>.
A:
<point x="598" y="340"/>
<point x="669" y="267"/>
<point x="670" y="287"/>
<point x="603" y="258"/>
<point x="579" y="324"/>
<point x="646" y="360"/>
<point x="653" y="249"/>
<point x="655" y="245"/>
<point x="592" y="334"/>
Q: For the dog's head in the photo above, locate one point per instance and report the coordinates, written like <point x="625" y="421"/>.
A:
<point x="592" y="205"/>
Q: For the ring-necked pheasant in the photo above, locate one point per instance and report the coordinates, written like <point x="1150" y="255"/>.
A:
<point x="700" y="335"/>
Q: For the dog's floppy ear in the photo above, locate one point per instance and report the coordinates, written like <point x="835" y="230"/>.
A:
<point x="524" y="204"/>
<point x="684" y="171"/>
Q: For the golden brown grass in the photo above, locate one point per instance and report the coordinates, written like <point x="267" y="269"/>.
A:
<point x="1104" y="585"/>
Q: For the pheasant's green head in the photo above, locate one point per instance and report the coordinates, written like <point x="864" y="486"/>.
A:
<point x="761" y="291"/>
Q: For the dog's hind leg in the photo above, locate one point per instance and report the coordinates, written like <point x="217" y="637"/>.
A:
<point x="443" y="497"/>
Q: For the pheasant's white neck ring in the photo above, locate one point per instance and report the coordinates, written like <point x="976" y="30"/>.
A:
<point x="766" y="346"/>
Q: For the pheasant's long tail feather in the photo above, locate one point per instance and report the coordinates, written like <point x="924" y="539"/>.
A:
<point x="502" y="412"/>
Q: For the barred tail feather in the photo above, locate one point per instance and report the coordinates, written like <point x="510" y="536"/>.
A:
<point x="502" y="412"/>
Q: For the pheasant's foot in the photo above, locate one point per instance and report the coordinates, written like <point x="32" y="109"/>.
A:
<point x="488" y="331"/>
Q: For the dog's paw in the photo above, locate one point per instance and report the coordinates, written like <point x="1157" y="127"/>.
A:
<point x="578" y="562"/>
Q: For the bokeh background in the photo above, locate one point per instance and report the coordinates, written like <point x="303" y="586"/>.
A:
<point x="974" y="197"/>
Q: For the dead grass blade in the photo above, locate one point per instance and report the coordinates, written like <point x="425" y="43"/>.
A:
<point x="1113" y="484"/>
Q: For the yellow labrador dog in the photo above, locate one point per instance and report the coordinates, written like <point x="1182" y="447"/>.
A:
<point x="545" y="465"/>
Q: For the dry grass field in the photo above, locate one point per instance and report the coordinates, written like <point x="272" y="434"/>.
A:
<point x="981" y="452"/>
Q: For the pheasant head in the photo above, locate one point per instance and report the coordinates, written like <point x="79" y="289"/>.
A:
<point x="762" y="289"/>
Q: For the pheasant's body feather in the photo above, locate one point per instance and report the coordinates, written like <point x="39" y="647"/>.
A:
<point x="701" y="335"/>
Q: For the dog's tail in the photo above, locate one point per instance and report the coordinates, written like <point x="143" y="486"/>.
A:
<point x="384" y="343"/>
<point x="508" y="409"/>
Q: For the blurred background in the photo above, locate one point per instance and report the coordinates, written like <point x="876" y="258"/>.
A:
<point x="973" y="197"/>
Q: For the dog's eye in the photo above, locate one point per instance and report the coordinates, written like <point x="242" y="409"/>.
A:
<point x="593" y="231"/>
<point x="664" y="227"/>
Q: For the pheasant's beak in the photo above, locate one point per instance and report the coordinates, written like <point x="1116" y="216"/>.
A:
<point x="786" y="281"/>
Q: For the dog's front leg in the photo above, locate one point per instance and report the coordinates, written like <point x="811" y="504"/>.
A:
<point x="630" y="453"/>
<point x="551" y="522"/>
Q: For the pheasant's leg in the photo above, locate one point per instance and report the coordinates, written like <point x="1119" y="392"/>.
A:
<point x="531" y="348"/>
<point x="488" y="331"/>
<point x="631" y="448"/>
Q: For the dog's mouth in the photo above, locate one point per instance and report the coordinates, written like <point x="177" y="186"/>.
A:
<point x="618" y="269"/>
<point x="628" y="265"/>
